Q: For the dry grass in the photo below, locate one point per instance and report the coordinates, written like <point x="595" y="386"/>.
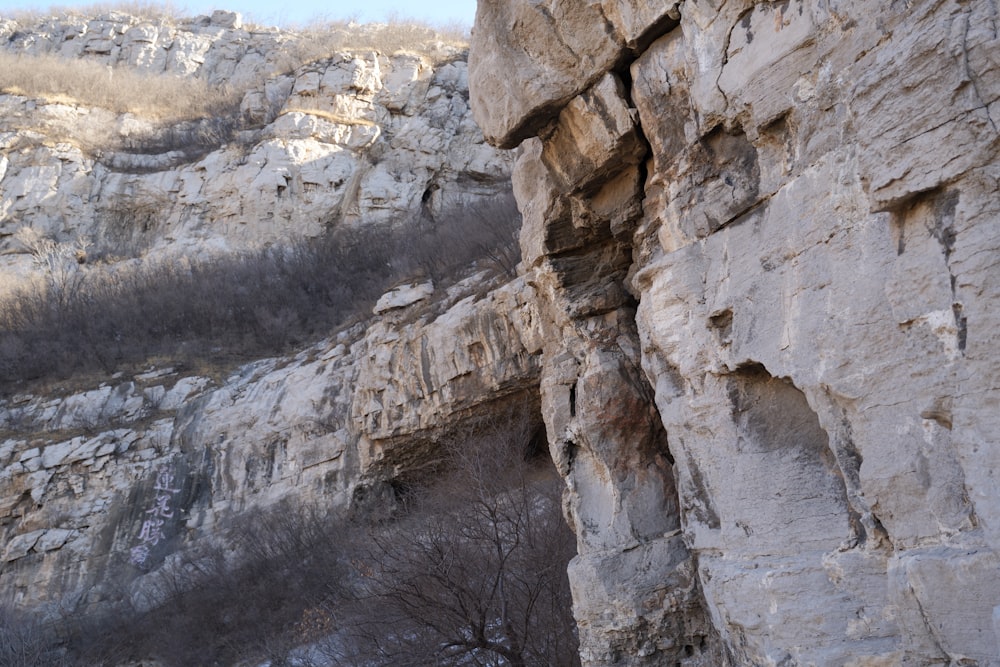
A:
<point x="150" y="11"/>
<point x="390" y="37"/>
<point x="327" y="115"/>
<point x="171" y="99"/>
<point x="323" y="39"/>
<point x="84" y="83"/>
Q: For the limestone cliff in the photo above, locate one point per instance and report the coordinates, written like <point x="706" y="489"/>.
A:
<point x="756" y="309"/>
<point x="762" y="238"/>
<point x="366" y="136"/>
<point x="332" y="425"/>
<point x="346" y="127"/>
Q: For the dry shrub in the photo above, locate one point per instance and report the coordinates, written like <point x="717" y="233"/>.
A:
<point x="483" y="231"/>
<point x="80" y="318"/>
<point x="323" y="39"/>
<point x="27" y="641"/>
<point x="159" y="97"/>
<point x="128" y="225"/>
<point x="469" y="570"/>
<point x="474" y="571"/>
<point x="150" y="11"/>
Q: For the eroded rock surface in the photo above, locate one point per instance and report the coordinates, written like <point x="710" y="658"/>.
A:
<point x="349" y="136"/>
<point x="757" y="308"/>
<point x="776" y="221"/>
<point x="101" y="487"/>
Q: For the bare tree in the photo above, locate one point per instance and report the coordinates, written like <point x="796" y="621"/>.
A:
<point x="475" y="573"/>
<point x="27" y="642"/>
<point x="471" y="571"/>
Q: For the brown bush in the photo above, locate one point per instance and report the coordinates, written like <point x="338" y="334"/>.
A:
<point x="475" y="571"/>
<point x="322" y="39"/>
<point x="26" y="641"/>
<point x="82" y="318"/>
<point x="470" y="569"/>
<point x="155" y="96"/>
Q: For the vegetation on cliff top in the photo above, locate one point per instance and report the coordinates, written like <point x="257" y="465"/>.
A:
<point x="87" y="83"/>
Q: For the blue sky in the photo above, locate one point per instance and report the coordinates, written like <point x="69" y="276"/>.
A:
<point x="283" y="13"/>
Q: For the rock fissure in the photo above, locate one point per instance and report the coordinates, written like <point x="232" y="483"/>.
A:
<point x="798" y="486"/>
<point x="756" y="311"/>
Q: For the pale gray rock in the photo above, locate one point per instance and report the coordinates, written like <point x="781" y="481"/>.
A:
<point x="354" y="138"/>
<point x="572" y="46"/>
<point x="757" y="313"/>
<point x="557" y="48"/>
<point x="20" y="545"/>
<point x="595" y="138"/>
<point x="812" y="243"/>
<point x="327" y="426"/>
<point x="53" y="539"/>
<point x="403" y="296"/>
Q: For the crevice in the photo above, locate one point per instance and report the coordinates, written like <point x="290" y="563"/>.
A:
<point x="934" y="210"/>
<point x="943" y="229"/>
<point x="569" y="450"/>
<point x="961" y="322"/>
<point x="967" y="72"/>
<point x="722" y="324"/>
<point x="931" y="632"/>
<point x="703" y="509"/>
<point x="866" y="526"/>
<point x="725" y="58"/>
<point x="662" y="27"/>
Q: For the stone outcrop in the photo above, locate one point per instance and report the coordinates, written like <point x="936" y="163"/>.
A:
<point x="122" y="478"/>
<point x="101" y="486"/>
<point x="762" y="239"/>
<point x="357" y="137"/>
<point x="756" y="310"/>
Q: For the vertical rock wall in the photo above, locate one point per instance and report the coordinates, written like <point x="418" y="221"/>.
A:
<point x="763" y="239"/>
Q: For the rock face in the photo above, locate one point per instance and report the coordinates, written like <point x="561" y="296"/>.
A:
<point x="361" y="136"/>
<point x="757" y="310"/>
<point x="100" y="487"/>
<point x="762" y="238"/>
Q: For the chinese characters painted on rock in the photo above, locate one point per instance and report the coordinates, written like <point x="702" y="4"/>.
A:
<point x="151" y="532"/>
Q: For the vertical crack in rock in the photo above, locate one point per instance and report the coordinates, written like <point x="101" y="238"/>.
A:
<point x="924" y="217"/>
<point x="967" y="71"/>
<point x="809" y="210"/>
<point x="604" y="430"/>
<point x="868" y="530"/>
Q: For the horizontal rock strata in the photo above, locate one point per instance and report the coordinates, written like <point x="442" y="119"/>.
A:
<point x="762" y="237"/>
<point x="329" y="427"/>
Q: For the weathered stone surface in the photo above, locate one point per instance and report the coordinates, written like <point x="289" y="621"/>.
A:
<point x="637" y="21"/>
<point x="20" y="545"/>
<point x="352" y="138"/>
<point x="405" y="295"/>
<point x="929" y="101"/>
<point x="603" y="436"/>
<point x="557" y="48"/>
<point x="758" y="312"/>
<point x="816" y="298"/>
<point x="333" y="423"/>
<point x="595" y="138"/>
